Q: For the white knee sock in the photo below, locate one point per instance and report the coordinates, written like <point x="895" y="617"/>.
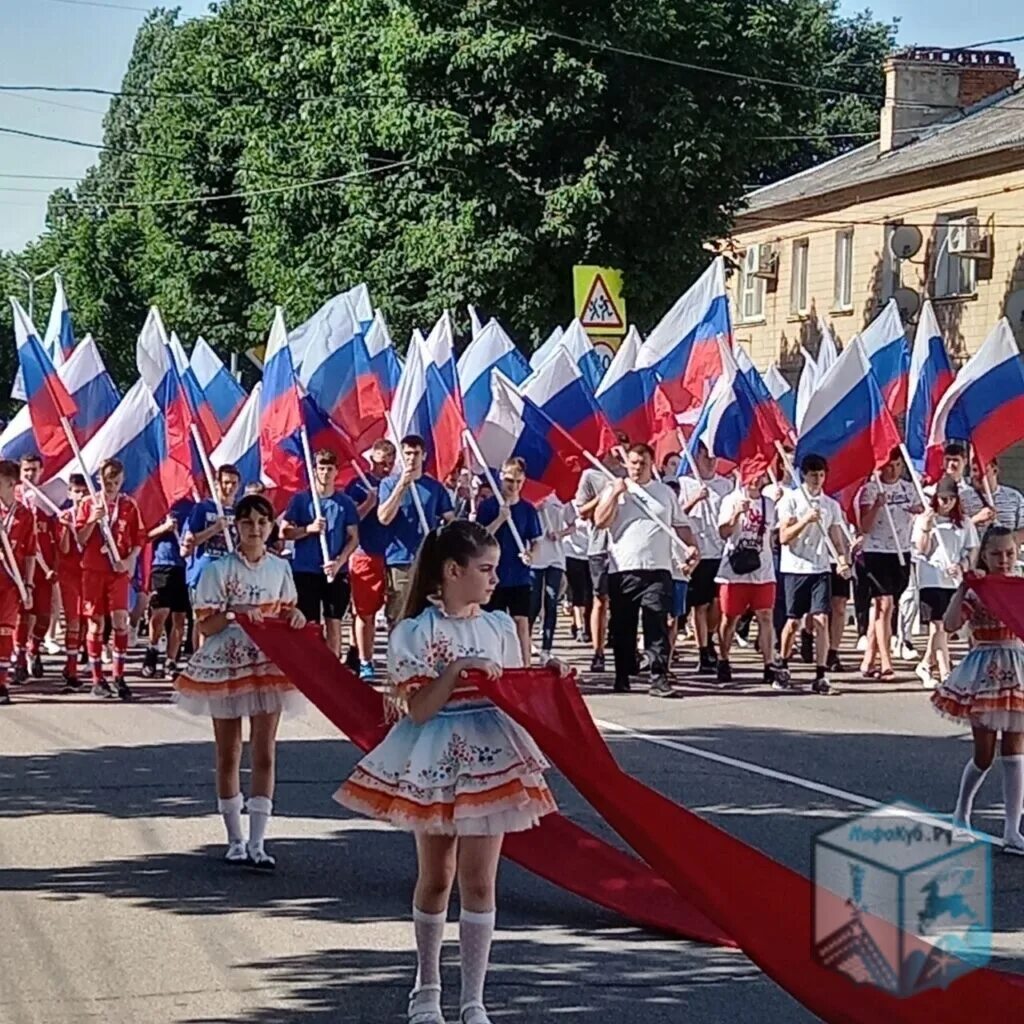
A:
<point x="231" y="812"/>
<point x="260" y="809"/>
<point x="429" y="932"/>
<point x="475" y="933"/>
<point x="970" y="783"/>
<point x="1013" y="796"/>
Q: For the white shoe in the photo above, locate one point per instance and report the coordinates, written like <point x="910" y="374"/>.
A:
<point x="51" y="646"/>
<point x="740" y="642"/>
<point x="906" y="652"/>
<point x="1014" y="845"/>
<point x="924" y="673"/>
<point x="106" y="657"/>
<point x="474" y="1014"/>
<point x="425" y="1005"/>
<point x="862" y="644"/>
<point x="237" y="852"/>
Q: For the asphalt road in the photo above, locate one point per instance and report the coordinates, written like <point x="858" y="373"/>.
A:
<point x="115" y="906"/>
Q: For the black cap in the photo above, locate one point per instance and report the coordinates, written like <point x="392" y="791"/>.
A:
<point x="947" y="488"/>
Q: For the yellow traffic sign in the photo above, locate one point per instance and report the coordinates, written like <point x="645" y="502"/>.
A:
<point x="599" y="303"/>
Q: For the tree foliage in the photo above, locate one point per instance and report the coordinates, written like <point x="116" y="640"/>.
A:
<point x="465" y="150"/>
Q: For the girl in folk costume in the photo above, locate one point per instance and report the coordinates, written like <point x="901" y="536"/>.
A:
<point x="455" y="771"/>
<point x="986" y="690"/>
<point x="229" y="678"/>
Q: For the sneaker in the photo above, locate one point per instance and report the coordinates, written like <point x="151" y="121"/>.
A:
<point x="545" y="656"/>
<point x="51" y="646"/>
<point x="723" y="671"/>
<point x="37" y="667"/>
<point x="72" y="684"/>
<point x="20" y="674"/>
<point x="425" y="1005"/>
<point x="1014" y="846"/>
<point x="238" y="853"/>
<point x="906" y="652"/>
<point x="352" y="659"/>
<point x="149" y="664"/>
<point x="924" y="673"/>
<point x="5" y="696"/>
<point x="366" y="671"/>
<point x="806" y="647"/>
<point x="862" y="644"/>
<point x="123" y="691"/>
<point x="622" y="686"/>
<point x="824" y="688"/>
<point x="586" y="639"/>
<point x="260" y="860"/>
<point x="742" y="641"/>
<point x="597" y="662"/>
<point x="660" y="688"/>
<point x="171" y="669"/>
<point x="833" y="664"/>
<point x="104" y="691"/>
<point x="706" y="665"/>
<point x="107" y="656"/>
<point x="781" y="679"/>
<point x="473" y="1013"/>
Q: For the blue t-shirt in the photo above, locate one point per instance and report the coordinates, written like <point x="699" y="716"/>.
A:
<point x="167" y="547"/>
<point x="512" y="570"/>
<point x="339" y="512"/>
<point x="373" y="535"/>
<point x="203" y="516"/>
<point x="406" y="532"/>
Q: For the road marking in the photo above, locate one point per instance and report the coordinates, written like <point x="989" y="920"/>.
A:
<point x="772" y="773"/>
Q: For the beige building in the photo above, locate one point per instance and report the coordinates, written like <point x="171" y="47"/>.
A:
<point x="948" y="168"/>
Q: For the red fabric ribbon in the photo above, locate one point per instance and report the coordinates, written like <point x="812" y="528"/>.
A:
<point x="1003" y="596"/>
<point x="724" y="887"/>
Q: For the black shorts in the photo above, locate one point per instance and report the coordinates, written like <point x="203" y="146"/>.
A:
<point x="598" y="574"/>
<point x="840" y="587"/>
<point x="934" y="603"/>
<point x="581" y="588"/>
<point x="807" y="594"/>
<point x="886" y="575"/>
<point x="514" y="600"/>
<point x="169" y="589"/>
<point x="703" y="589"/>
<point x="318" y="595"/>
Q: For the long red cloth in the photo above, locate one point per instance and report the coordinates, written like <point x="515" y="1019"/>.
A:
<point x="764" y="906"/>
<point x="1003" y="596"/>
<point x="558" y="850"/>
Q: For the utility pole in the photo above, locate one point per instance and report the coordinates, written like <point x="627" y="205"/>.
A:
<point x="32" y="282"/>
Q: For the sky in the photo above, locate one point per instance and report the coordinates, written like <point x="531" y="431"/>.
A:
<point x="88" y="43"/>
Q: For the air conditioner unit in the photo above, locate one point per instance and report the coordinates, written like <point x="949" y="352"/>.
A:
<point x="966" y="239"/>
<point x="766" y="262"/>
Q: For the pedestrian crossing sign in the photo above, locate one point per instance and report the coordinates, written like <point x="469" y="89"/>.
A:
<point x="600" y="306"/>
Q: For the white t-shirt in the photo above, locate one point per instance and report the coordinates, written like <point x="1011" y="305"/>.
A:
<point x="950" y="545"/>
<point x="704" y="515"/>
<point x="807" y="554"/>
<point x="635" y="543"/>
<point x="754" y="524"/>
<point x="577" y="543"/>
<point x="901" y="499"/>
<point x="555" y="516"/>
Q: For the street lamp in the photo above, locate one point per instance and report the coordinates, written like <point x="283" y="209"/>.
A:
<point x="32" y="282"/>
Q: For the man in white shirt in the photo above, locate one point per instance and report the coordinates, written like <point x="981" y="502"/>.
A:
<point x="807" y="517"/>
<point x="640" y="565"/>
<point x="701" y="499"/>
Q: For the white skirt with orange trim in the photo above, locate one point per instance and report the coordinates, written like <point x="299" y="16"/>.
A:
<point x="469" y="771"/>
<point x="986" y="689"/>
<point x="230" y="677"/>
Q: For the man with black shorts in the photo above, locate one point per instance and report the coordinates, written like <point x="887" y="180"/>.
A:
<point x="170" y="598"/>
<point x="807" y="516"/>
<point x="322" y="585"/>
<point x="701" y="500"/>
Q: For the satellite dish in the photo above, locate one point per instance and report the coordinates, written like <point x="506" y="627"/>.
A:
<point x="906" y="242"/>
<point x="908" y="301"/>
<point x="1015" y="309"/>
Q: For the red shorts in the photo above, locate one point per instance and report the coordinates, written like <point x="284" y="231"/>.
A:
<point x="738" y="598"/>
<point x="71" y="594"/>
<point x="10" y="604"/>
<point x="104" y="593"/>
<point x="368" y="577"/>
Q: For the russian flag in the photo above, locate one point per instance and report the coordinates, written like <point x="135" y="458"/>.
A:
<point x="336" y="373"/>
<point x="384" y="362"/>
<point x="931" y="374"/>
<point x="543" y="352"/>
<point x="240" y="446"/>
<point x="631" y="399"/>
<point x="564" y="397"/>
<point x="809" y="377"/>
<point x="847" y="421"/>
<point x="280" y="412"/>
<point x="49" y="403"/>
<point x="885" y="344"/>
<point x="683" y="348"/>
<point x="777" y="423"/>
<point x="299" y="338"/>
<point x="491" y="349"/>
<point x="223" y="396"/>
<point x="58" y="340"/>
<point x="782" y="391"/>
<point x="209" y="429"/>
<point x="576" y="343"/>
<point x="515" y="426"/>
<point x="135" y="433"/>
<point x="984" y="404"/>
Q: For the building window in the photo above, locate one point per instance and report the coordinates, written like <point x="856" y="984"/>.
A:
<point x="844" y="269"/>
<point x="751" y="287"/>
<point x="891" y="264"/>
<point x="798" y="282"/>
<point x="954" y="275"/>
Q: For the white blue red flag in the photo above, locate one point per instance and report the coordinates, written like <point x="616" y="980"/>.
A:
<point x="632" y="399"/>
<point x="543" y="351"/>
<point x="808" y="381"/>
<point x="782" y="391"/>
<point x="58" y="339"/>
<point x="931" y="374"/>
<point x="490" y="349"/>
<point x="223" y="396"/>
<point x="384" y="362"/>
<point x="240" y="446"/>
<point x="576" y="343"/>
<point x="280" y="413"/>
<point x="769" y="411"/>
<point x="984" y="404"/>
<point x="885" y="344"/>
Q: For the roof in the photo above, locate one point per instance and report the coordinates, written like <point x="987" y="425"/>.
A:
<point x="994" y="125"/>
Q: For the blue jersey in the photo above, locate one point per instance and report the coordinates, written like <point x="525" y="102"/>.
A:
<point x="167" y="547"/>
<point x="339" y="512"/>
<point x="512" y="570"/>
<point x="406" y="531"/>
<point x="374" y="537"/>
<point x="203" y="516"/>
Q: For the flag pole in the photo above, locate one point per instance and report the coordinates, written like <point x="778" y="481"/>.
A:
<point x="363" y="478"/>
<point x="197" y="440"/>
<point x="318" y="511"/>
<point x="830" y="547"/>
<point x="108" y="537"/>
<point x="915" y="477"/>
<point x="42" y="497"/>
<point x="416" y="500"/>
<point x="8" y="557"/>
<point x="889" y="519"/>
<point x="470" y="440"/>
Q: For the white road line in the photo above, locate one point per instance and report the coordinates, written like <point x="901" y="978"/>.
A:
<point x="772" y="773"/>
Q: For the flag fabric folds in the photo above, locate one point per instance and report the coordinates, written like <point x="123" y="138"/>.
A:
<point x="280" y="413"/>
<point x="223" y="396"/>
<point x="782" y="391"/>
<point x="543" y="351"/>
<point x="931" y="374"/>
<point x="885" y="344"/>
<point x="632" y="399"/>
<point x="490" y="349"/>
<point x="240" y="446"/>
<point x="384" y="362"/>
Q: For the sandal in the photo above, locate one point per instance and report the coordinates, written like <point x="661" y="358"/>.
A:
<point x="428" y="1009"/>
<point x="474" y="1013"/>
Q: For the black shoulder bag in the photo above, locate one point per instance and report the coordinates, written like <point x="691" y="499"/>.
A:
<point x="745" y="560"/>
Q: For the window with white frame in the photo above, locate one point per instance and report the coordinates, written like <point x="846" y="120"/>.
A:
<point x="891" y="264"/>
<point x="954" y="275"/>
<point x="798" y="304"/>
<point x="751" y="287"/>
<point x="844" y="270"/>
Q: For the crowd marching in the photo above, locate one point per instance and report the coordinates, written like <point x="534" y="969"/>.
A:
<point x="665" y="560"/>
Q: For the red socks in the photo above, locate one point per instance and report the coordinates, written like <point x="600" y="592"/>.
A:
<point x="120" y="653"/>
<point x="94" y="647"/>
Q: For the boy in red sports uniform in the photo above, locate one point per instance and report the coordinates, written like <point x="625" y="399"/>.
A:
<point x="69" y="576"/>
<point x="106" y="583"/>
<point x="32" y="625"/>
<point x="20" y="535"/>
